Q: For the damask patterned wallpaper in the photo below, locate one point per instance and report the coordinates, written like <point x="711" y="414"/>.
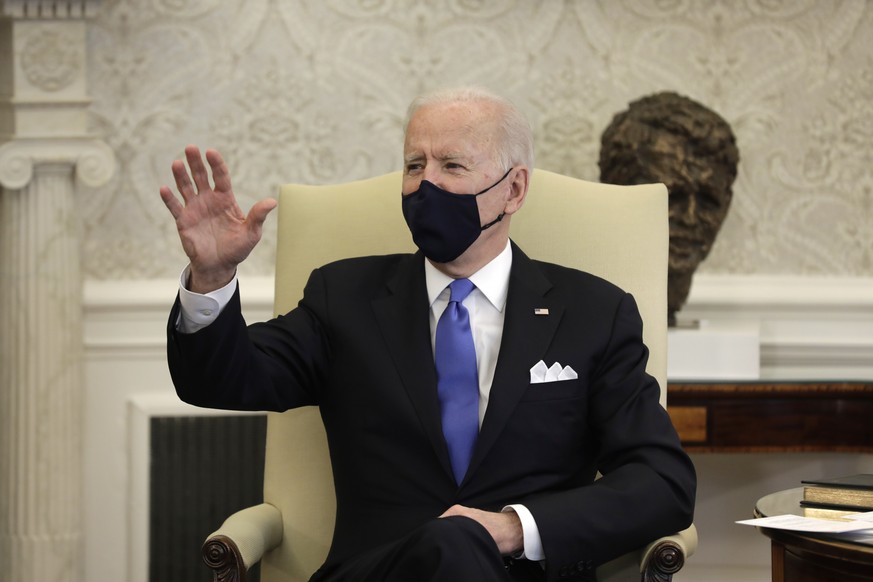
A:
<point x="315" y="91"/>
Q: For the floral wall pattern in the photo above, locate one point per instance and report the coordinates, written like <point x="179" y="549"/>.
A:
<point x="316" y="90"/>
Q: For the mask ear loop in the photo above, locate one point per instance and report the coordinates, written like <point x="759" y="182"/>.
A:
<point x="495" y="221"/>
<point x="502" y="214"/>
<point x="495" y="183"/>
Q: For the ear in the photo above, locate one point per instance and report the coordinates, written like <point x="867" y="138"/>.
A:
<point x="517" y="190"/>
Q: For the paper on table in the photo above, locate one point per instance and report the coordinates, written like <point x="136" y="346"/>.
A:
<point x="808" y="524"/>
<point x="864" y="536"/>
<point x="868" y="517"/>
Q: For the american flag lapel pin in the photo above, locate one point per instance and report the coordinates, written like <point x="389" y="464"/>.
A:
<point x="541" y="311"/>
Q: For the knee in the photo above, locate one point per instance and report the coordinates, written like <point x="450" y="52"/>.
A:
<point x="458" y="548"/>
<point x="454" y="535"/>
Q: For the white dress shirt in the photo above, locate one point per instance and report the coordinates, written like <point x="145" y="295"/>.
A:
<point x="485" y="305"/>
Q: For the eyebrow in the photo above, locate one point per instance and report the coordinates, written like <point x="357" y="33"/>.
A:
<point x="452" y="156"/>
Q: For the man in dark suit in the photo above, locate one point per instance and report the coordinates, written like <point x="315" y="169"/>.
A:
<point x="427" y="487"/>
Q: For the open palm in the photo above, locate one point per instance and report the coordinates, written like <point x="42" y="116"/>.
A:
<point x="215" y="233"/>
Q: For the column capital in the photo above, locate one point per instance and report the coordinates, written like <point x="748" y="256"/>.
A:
<point x="92" y="159"/>
<point x="48" y="9"/>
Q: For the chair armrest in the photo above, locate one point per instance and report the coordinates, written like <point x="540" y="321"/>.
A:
<point x="241" y="541"/>
<point x="666" y="556"/>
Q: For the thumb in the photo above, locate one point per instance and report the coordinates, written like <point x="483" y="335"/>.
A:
<point x="258" y="213"/>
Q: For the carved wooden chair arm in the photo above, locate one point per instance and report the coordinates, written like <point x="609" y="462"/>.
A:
<point x="241" y="542"/>
<point x="247" y="535"/>
<point x="666" y="556"/>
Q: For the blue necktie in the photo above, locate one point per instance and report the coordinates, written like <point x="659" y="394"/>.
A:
<point x="457" y="379"/>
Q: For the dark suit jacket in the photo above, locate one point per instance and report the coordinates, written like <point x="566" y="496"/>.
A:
<point x="358" y="346"/>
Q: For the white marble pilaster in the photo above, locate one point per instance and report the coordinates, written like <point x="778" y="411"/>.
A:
<point x="45" y="155"/>
<point x="41" y="371"/>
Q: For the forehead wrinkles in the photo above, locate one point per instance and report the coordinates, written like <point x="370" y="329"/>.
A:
<point x="452" y="131"/>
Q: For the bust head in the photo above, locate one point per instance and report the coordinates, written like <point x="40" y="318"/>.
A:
<point x="671" y="139"/>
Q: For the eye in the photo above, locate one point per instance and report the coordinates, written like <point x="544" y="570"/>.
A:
<point x="709" y="199"/>
<point x="413" y="167"/>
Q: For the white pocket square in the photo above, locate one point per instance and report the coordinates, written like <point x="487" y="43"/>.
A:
<point x="541" y="373"/>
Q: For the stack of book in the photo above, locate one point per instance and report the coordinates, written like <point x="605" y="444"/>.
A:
<point x="836" y="497"/>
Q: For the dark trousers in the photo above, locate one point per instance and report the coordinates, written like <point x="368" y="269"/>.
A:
<point x="449" y="549"/>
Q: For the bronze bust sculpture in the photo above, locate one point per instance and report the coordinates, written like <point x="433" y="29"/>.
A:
<point x="671" y="139"/>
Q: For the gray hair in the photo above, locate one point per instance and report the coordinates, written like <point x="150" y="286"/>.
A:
<point x="515" y="137"/>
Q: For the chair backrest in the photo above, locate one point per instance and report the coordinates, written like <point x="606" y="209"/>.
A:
<point x="620" y="233"/>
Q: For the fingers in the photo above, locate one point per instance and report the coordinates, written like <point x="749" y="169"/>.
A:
<point x="198" y="168"/>
<point x="183" y="181"/>
<point x="220" y="173"/>
<point x="505" y="527"/>
<point x="171" y="202"/>
<point x="457" y="510"/>
<point x="199" y="173"/>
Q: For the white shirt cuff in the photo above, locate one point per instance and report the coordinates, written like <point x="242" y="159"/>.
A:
<point x="198" y="310"/>
<point x="533" y="544"/>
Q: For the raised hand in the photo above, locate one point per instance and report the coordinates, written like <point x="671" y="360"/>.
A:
<point x="215" y="234"/>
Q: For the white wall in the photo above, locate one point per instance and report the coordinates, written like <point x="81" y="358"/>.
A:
<point x="126" y="374"/>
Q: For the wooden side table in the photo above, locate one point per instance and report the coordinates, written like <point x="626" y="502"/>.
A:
<point x="771" y="416"/>
<point x="802" y="557"/>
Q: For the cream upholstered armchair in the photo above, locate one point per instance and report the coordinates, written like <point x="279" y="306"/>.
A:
<point x="617" y="232"/>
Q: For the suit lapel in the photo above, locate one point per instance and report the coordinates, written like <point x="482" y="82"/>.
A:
<point x="404" y="320"/>
<point x="526" y="336"/>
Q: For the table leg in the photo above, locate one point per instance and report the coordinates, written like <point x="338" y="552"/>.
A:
<point x="777" y="552"/>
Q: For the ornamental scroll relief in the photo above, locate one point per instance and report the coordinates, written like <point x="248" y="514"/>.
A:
<point x="313" y="91"/>
<point x="52" y="60"/>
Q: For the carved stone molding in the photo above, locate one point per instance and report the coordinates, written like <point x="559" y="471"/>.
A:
<point x="47" y="151"/>
<point x="52" y="60"/>
<point x="49" y="9"/>
<point x="93" y="160"/>
<point x="41" y="380"/>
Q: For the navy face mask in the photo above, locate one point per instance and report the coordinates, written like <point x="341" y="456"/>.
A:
<point x="444" y="224"/>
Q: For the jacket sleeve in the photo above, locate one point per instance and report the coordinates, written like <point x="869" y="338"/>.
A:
<point x="274" y="365"/>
